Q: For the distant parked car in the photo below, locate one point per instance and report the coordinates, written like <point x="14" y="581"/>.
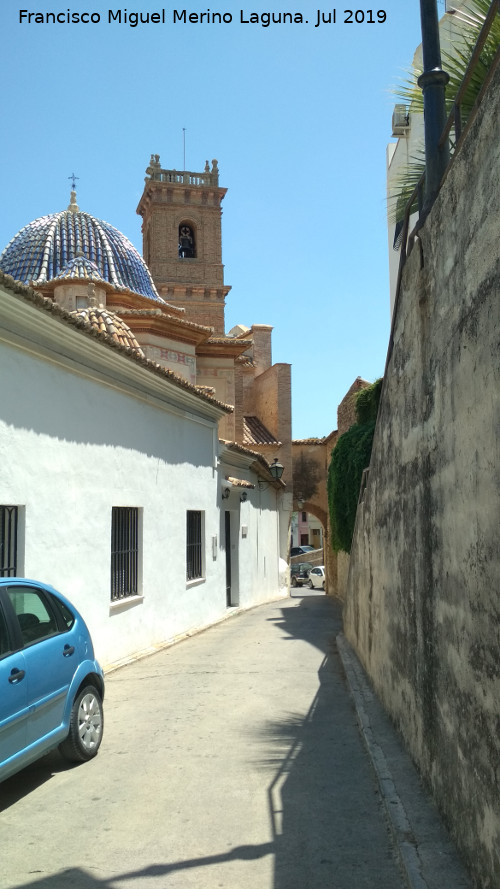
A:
<point x="317" y="578"/>
<point x="51" y="686"/>
<point x="299" y="573"/>
<point x="299" y="550"/>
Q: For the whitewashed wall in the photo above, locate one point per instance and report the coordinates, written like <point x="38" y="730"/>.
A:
<point x="83" y="429"/>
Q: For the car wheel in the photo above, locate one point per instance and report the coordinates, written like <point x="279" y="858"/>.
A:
<point x="294" y="581"/>
<point x="323" y="585"/>
<point x="310" y="584"/>
<point x="85" y="726"/>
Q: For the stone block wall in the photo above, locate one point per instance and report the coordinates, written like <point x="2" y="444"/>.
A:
<point x="423" y="596"/>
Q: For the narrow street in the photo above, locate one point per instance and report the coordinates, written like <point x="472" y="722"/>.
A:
<point x="232" y="760"/>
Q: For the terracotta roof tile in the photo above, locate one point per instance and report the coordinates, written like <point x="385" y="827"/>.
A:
<point x="255" y="433"/>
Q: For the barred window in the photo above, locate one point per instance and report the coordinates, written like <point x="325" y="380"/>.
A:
<point x="194" y="545"/>
<point x="9" y="516"/>
<point x="124" y="552"/>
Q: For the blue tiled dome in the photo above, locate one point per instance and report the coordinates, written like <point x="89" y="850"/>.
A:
<point x="42" y="250"/>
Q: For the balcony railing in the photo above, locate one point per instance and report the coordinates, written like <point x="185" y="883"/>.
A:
<point x="182" y="177"/>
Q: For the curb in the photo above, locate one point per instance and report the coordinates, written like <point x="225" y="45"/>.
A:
<point x="406" y="842"/>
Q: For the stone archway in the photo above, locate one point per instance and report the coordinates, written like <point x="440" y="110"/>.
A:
<point x="311" y="459"/>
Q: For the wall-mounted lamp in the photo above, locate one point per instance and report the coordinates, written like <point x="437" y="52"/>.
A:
<point x="225" y="493"/>
<point x="300" y="502"/>
<point x="276" y="469"/>
<point x="243" y="497"/>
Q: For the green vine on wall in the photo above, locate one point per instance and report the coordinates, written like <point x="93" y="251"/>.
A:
<point x="350" y="457"/>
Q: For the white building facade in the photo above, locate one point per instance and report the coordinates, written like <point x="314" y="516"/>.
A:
<point x="114" y="485"/>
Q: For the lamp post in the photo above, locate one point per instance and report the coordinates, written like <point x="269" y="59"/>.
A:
<point x="433" y="82"/>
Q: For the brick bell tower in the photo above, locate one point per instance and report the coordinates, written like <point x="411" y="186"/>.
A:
<point x="181" y="232"/>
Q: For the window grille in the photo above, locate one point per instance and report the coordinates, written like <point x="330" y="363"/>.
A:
<point x="8" y="541"/>
<point x="124" y="552"/>
<point x="194" y="545"/>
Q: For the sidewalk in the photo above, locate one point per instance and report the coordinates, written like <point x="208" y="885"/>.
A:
<point x="428" y="858"/>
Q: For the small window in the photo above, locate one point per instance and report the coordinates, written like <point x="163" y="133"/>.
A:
<point x="194" y="545"/>
<point x="9" y="519"/>
<point x="124" y="552"/>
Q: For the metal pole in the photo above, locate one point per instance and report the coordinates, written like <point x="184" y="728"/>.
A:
<point x="433" y="82"/>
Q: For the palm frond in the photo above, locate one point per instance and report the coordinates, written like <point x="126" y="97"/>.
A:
<point x="455" y="62"/>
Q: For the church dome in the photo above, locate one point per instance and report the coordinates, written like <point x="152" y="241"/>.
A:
<point x="41" y="251"/>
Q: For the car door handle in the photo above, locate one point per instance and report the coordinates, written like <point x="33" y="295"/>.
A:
<point x="16" y="675"/>
<point x="68" y="650"/>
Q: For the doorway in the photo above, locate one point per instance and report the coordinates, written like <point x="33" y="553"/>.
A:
<point x="227" y="518"/>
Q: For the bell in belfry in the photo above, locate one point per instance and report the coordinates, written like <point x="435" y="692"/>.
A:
<point x="186" y="242"/>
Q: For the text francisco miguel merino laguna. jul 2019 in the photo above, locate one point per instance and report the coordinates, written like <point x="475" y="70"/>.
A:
<point x="185" y="17"/>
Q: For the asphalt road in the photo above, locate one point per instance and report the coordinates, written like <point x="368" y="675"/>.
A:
<point x="232" y="760"/>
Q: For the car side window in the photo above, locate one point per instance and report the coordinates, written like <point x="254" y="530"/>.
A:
<point x="36" y="620"/>
<point x="5" y="646"/>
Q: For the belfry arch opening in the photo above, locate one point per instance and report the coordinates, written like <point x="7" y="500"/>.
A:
<point x="187" y="241"/>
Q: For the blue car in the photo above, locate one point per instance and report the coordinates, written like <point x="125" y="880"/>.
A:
<point x="51" y="686"/>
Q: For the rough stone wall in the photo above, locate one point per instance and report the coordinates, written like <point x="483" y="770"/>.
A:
<point x="423" y="606"/>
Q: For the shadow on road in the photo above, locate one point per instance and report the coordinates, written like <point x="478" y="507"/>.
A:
<point x="323" y="801"/>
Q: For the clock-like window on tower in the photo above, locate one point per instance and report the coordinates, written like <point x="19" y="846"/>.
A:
<point x="187" y="243"/>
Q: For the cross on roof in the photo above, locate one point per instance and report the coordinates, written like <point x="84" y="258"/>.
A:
<point x="73" y="182"/>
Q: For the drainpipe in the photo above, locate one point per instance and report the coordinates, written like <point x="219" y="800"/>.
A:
<point x="433" y="81"/>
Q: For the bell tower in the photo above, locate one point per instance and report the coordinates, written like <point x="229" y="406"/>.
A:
<point x="182" y="243"/>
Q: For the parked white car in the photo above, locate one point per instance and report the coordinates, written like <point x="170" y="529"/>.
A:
<point x="317" y="578"/>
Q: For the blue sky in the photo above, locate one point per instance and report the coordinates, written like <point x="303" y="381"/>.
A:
<point x="298" y="117"/>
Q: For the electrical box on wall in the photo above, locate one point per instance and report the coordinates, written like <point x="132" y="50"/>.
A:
<point x="244" y="530"/>
<point x="214" y="547"/>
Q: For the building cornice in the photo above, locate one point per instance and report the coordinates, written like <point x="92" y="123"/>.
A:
<point x="223" y="347"/>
